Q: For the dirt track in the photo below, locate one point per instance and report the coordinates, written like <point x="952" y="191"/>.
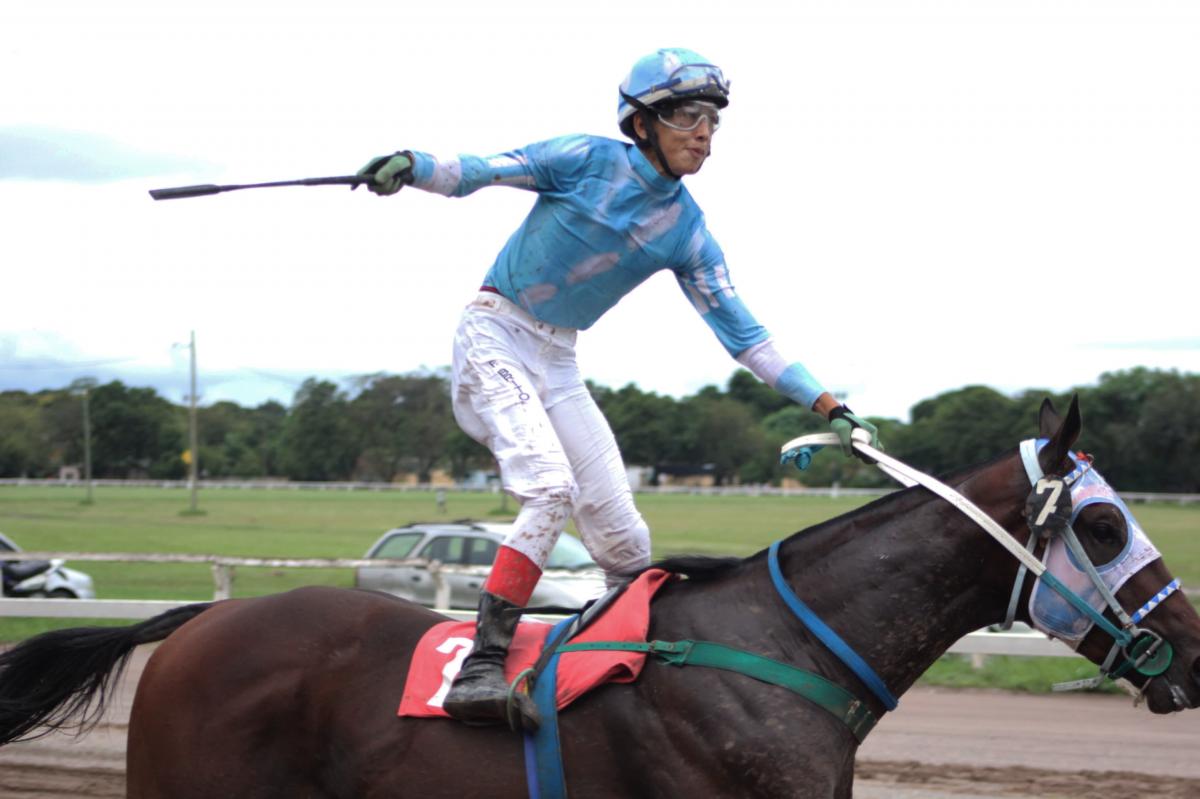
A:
<point x="940" y="744"/>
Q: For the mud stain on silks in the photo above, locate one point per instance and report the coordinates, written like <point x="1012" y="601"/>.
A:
<point x="542" y="529"/>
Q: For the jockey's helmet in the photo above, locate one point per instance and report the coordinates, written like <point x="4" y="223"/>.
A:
<point x="666" y="75"/>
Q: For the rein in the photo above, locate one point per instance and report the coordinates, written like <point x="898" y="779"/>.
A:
<point x="1144" y="650"/>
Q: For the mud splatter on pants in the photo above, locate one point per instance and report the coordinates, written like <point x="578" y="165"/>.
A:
<point x="517" y="390"/>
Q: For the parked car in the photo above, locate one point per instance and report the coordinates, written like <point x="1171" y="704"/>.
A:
<point x="468" y="543"/>
<point x="40" y="578"/>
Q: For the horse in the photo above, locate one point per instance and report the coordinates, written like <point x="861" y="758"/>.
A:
<point x="294" y="694"/>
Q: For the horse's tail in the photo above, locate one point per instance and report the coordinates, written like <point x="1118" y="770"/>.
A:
<point x="61" y="679"/>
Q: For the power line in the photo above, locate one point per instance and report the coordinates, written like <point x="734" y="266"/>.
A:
<point x="48" y="365"/>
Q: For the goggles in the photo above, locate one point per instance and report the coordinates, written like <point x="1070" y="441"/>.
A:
<point x="688" y="116"/>
<point x="694" y="77"/>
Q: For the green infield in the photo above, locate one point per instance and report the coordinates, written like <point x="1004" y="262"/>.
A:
<point x="343" y="524"/>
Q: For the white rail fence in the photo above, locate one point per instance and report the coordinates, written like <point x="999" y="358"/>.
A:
<point x="223" y="573"/>
<point x="977" y="644"/>
<point x="740" y="490"/>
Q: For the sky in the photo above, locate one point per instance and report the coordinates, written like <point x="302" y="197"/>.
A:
<point x="912" y="195"/>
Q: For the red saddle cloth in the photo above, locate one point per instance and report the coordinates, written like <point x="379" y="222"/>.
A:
<point x="442" y="649"/>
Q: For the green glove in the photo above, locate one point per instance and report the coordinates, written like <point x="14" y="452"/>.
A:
<point x="390" y="173"/>
<point x="843" y="422"/>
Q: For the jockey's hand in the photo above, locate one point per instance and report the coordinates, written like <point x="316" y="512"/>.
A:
<point x="800" y="457"/>
<point x="390" y="172"/>
<point x="842" y="421"/>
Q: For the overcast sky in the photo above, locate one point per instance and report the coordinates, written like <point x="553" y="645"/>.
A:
<point x="912" y="196"/>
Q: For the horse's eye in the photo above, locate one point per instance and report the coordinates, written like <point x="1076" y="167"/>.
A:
<point x="1106" y="533"/>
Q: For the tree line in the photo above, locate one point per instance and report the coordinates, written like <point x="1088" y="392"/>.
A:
<point x="1142" y="425"/>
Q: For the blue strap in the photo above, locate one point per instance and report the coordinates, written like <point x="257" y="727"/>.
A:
<point x="543" y="754"/>
<point x="1154" y="601"/>
<point x="828" y="637"/>
<point x="531" y="777"/>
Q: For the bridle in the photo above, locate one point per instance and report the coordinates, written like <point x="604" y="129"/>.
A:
<point x="1135" y="649"/>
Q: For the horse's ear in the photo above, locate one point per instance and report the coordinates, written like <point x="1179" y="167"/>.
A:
<point x="1048" y="419"/>
<point x="1055" y="457"/>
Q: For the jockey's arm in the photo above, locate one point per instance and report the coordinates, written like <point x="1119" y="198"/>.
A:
<point x="706" y="283"/>
<point x="536" y="167"/>
<point x="790" y="379"/>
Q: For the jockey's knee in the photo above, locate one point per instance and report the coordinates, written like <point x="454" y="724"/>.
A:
<point x="558" y="494"/>
<point x="546" y="507"/>
<point x="622" y="553"/>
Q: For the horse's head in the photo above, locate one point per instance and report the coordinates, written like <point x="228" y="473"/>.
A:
<point x="1128" y="566"/>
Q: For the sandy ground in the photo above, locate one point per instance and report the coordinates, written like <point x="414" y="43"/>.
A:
<point x="940" y="744"/>
<point x="969" y="744"/>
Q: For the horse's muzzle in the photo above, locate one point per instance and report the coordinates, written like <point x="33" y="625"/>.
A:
<point x="1195" y="698"/>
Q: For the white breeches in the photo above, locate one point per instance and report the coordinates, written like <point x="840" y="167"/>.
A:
<point x="517" y="390"/>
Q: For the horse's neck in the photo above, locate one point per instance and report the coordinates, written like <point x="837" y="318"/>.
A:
<point x="903" y="579"/>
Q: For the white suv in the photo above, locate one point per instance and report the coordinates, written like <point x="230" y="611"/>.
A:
<point x="571" y="578"/>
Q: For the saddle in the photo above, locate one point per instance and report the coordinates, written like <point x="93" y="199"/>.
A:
<point x="623" y="616"/>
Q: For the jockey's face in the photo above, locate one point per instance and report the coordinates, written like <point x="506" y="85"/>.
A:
<point x="685" y="150"/>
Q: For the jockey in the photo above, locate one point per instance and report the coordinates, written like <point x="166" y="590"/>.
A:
<point x="608" y="215"/>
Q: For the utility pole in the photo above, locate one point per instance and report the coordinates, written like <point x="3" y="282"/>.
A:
<point x="194" y="461"/>
<point x="83" y="386"/>
<point x="87" y="446"/>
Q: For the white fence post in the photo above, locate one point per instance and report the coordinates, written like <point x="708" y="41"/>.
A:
<point x="222" y="580"/>
<point x="441" y="586"/>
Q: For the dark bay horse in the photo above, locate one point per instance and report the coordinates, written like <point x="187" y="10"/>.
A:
<point x="294" y="695"/>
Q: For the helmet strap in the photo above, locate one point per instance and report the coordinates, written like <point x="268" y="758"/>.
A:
<point x="647" y="114"/>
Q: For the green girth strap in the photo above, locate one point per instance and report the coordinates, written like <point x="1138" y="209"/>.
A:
<point x="832" y="697"/>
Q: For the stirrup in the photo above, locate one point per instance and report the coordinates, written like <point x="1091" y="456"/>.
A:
<point x="516" y="719"/>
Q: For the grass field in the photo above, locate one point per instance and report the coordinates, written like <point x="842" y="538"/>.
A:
<point x="281" y="523"/>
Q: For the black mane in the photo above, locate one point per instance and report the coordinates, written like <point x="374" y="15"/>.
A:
<point x="697" y="567"/>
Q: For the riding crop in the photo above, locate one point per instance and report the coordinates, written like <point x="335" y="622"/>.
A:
<point x="181" y="192"/>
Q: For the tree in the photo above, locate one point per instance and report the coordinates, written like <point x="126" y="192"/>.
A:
<point x="266" y="435"/>
<point x="136" y="433"/>
<point x="755" y="394"/>
<point x="649" y="428"/>
<point x="724" y="434"/>
<point x="1141" y="424"/>
<point x="317" y="441"/>
<point x="240" y="442"/>
<point x="221" y="440"/>
<point x="426" y="403"/>
<point x="402" y="423"/>
<point x="22" y="450"/>
<point x="959" y="428"/>
<point x="61" y="415"/>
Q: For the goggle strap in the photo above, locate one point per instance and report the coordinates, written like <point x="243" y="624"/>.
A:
<point x="646" y="113"/>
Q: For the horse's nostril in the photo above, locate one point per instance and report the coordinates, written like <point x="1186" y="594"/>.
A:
<point x="1196" y="671"/>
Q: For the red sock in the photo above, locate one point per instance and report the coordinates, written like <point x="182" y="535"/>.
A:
<point x="513" y="577"/>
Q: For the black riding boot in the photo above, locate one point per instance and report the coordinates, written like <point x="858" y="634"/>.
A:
<point x="480" y="693"/>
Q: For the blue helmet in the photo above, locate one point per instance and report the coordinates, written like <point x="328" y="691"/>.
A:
<point x="671" y="73"/>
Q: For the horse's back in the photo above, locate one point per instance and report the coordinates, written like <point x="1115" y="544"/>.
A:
<point x="256" y="692"/>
